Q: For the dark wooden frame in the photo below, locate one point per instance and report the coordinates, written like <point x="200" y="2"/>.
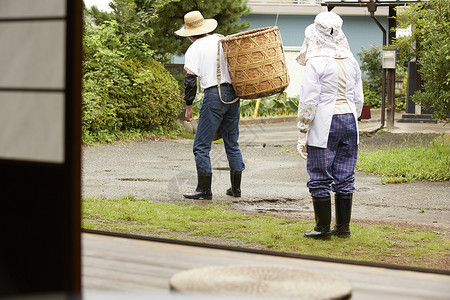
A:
<point x="40" y="214"/>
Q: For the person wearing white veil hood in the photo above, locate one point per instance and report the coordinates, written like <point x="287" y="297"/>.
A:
<point x="331" y="100"/>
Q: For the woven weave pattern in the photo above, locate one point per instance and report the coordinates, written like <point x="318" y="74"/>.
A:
<point x="256" y="62"/>
<point x="260" y="282"/>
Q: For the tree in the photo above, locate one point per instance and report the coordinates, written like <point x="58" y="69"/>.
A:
<point x="123" y="92"/>
<point x="372" y="76"/>
<point x="133" y="28"/>
<point x="152" y="23"/>
<point x="429" y="44"/>
<point x="171" y="18"/>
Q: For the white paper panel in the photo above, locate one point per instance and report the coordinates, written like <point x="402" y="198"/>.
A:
<point x="32" y="8"/>
<point x="32" y="54"/>
<point x="32" y="126"/>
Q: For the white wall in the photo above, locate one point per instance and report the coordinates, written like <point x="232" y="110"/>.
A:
<point x="295" y="71"/>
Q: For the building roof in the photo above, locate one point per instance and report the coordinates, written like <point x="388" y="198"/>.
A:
<point x="313" y="7"/>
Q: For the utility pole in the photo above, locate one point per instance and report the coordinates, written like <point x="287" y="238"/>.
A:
<point x="391" y="73"/>
<point x="372" y="8"/>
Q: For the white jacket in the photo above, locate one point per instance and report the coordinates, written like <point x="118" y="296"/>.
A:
<point x="318" y="96"/>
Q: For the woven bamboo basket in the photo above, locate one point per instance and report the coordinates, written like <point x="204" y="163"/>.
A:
<point x="256" y="62"/>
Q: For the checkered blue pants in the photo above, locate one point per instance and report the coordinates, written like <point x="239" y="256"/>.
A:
<point x="333" y="168"/>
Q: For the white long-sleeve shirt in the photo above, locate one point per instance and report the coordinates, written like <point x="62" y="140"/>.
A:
<point x="318" y="94"/>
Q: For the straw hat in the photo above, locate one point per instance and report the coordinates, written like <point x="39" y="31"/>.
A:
<point x="195" y="24"/>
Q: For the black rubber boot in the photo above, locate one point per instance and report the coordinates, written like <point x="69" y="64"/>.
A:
<point x="322" y="213"/>
<point x="203" y="190"/>
<point x="235" y="189"/>
<point x="343" y="215"/>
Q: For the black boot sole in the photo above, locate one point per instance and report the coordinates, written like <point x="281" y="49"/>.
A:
<point x="341" y="231"/>
<point x="319" y="237"/>
<point x="198" y="197"/>
<point x="234" y="195"/>
<point x="230" y="193"/>
<point x="341" y="234"/>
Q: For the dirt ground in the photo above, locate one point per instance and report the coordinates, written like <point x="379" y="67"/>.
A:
<point x="423" y="205"/>
<point x="274" y="181"/>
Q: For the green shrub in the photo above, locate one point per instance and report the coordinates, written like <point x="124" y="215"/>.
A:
<point x="153" y="99"/>
<point x="372" y="69"/>
<point x="371" y="98"/>
<point x="269" y="106"/>
<point x="179" y="74"/>
<point x="429" y="45"/>
<point x="123" y="94"/>
<point x="371" y="66"/>
<point x="273" y="106"/>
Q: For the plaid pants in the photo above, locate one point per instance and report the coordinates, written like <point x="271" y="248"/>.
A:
<point x="333" y="168"/>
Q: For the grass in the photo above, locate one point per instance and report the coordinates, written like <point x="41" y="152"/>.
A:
<point x="407" y="164"/>
<point x="375" y="243"/>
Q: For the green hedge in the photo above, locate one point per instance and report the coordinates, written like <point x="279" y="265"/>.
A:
<point x="125" y="95"/>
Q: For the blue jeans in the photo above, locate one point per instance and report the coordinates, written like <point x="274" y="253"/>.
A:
<point x="213" y="115"/>
<point x="334" y="165"/>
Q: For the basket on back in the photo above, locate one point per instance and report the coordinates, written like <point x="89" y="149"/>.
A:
<point x="256" y="62"/>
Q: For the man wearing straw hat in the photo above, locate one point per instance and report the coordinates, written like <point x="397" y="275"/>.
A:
<point x="331" y="99"/>
<point x="220" y="108"/>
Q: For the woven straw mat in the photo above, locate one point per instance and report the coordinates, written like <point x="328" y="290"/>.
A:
<point x="262" y="281"/>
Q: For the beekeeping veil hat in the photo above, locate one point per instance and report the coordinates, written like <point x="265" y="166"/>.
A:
<point x="324" y="38"/>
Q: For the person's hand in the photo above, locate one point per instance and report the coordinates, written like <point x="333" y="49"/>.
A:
<point x="188" y="115"/>
<point x="301" y="145"/>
